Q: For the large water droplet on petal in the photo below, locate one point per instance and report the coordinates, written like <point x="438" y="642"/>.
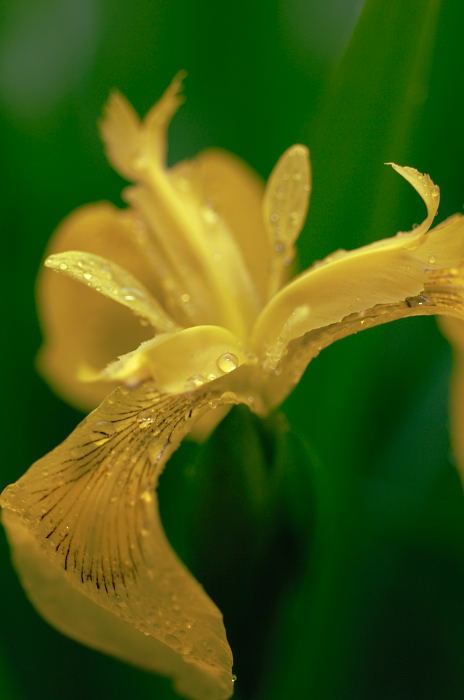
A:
<point x="227" y="362"/>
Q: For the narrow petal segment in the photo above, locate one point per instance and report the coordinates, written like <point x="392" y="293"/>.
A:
<point x="194" y="239"/>
<point x="235" y="192"/>
<point x="426" y="188"/>
<point x="114" y="282"/>
<point x="130" y="142"/>
<point x="285" y="206"/>
<point x="85" y="531"/>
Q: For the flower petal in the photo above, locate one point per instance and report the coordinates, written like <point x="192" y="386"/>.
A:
<point x="182" y="361"/>
<point x="285" y="206"/>
<point x="114" y="282"/>
<point x="128" y="140"/>
<point x="426" y="188"/>
<point x="381" y="273"/>
<point x="87" y="541"/>
<point x="197" y="243"/>
<point x="442" y="294"/>
<point x="235" y="192"/>
<point x="83" y="329"/>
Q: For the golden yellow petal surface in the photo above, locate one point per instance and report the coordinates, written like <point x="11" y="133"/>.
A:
<point x="442" y="293"/>
<point x="232" y="189"/>
<point x="184" y="360"/>
<point x="87" y="541"/>
<point x="204" y="260"/>
<point x="128" y="140"/>
<point x="111" y="280"/>
<point x="285" y="206"/>
<point x="83" y="329"/>
<point x="381" y="273"/>
<point x="426" y="188"/>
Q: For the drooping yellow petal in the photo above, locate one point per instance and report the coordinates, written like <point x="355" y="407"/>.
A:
<point x="83" y="329"/>
<point x="381" y="273"/>
<point x="182" y="361"/>
<point x="89" y="546"/>
<point x="114" y="282"/>
<point x="442" y="293"/>
<point x="285" y="206"/>
<point x="234" y="191"/>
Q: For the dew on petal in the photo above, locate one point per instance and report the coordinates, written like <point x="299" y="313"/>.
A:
<point x="227" y="362"/>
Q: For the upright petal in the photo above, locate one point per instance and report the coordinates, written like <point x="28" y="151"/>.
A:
<point x="231" y="188"/>
<point x="129" y="141"/>
<point x="88" y="544"/>
<point x="285" y="206"/>
<point x="201" y="252"/>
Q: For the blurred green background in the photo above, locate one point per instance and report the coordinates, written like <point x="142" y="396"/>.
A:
<point x="335" y="548"/>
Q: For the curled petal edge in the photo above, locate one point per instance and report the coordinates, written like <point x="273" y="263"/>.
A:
<point x="382" y="273"/>
<point x="442" y="295"/>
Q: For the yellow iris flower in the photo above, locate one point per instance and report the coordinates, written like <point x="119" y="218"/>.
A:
<point x="201" y="258"/>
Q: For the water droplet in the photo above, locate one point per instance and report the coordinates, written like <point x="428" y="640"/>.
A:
<point x="145" y="422"/>
<point x="432" y="260"/>
<point x="196" y="380"/>
<point x="234" y="678"/>
<point x="279" y="248"/>
<point x="146" y="497"/>
<point x="227" y="362"/>
<point x="129" y="297"/>
<point x="420" y="300"/>
<point x="185" y="298"/>
<point x="274" y="217"/>
<point x="63" y="266"/>
<point x="435" y="193"/>
<point x="87" y="276"/>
